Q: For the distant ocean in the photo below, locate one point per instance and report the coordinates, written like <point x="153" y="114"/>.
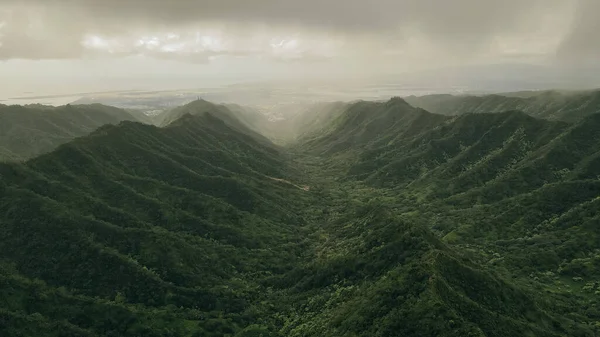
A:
<point x="45" y="100"/>
<point x="241" y="93"/>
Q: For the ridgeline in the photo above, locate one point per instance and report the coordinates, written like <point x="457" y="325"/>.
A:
<point x="381" y="219"/>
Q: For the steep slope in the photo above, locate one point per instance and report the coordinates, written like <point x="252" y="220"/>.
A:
<point x="516" y="194"/>
<point x="539" y="213"/>
<point x="460" y="147"/>
<point x="242" y="120"/>
<point x="491" y="156"/>
<point x="27" y="131"/>
<point x="368" y="124"/>
<point x="486" y="159"/>
<point x="251" y="118"/>
<point x="379" y="275"/>
<point x="136" y="230"/>
<point x="552" y="105"/>
<point x="412" y="224"/>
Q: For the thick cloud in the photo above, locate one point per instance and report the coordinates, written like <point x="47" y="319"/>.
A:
<point x="425" y="30"/>
<point x="582" y="43"/>
<point x="440" y="16"/>
<point x="29" y="34"/>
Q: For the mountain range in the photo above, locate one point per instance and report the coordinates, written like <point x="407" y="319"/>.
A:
<point x="31" y="130"/>
<point x="375" y="219"/>
<point x="567" y="106"/>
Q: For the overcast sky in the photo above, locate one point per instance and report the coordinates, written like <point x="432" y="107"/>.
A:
<point x="86" y="45"/>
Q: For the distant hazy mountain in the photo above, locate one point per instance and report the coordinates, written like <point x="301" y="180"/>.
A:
<point x="492" y="78"/>
<point x="553" y="105"/>
<point x="244" y="120"/>
<point x="363" y="123"/>
<point x="27" y="131"/>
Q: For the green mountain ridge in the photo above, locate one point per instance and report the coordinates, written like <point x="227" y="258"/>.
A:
<point x="381" y="220"/>
<point x="385" y="276"/>
<point x="517" y="194"/>
<point x="28" y="131"/>
<point x="241" y="119"/>
<point x="144" y="222"/>
<point x="552" y="105"/>
<point x="369" y="122"/>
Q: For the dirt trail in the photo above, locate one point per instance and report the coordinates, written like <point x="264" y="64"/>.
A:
<point x="304" y="188"/>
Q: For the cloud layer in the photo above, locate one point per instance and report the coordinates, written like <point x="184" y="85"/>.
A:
<point x="410" y="32"/>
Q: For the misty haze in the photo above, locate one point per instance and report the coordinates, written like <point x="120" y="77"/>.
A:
<point x="300" y="168"/>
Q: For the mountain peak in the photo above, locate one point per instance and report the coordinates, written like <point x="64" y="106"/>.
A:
<point x="397" y="101"/>
<point x="196" y="107"/>
<point x="200" y="104"/>
<point x="199" y="101"/>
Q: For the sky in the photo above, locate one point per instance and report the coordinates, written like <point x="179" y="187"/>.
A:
<point x="66" y="46"/>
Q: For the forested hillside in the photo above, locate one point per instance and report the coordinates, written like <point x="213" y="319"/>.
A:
<point x="28" y="131"/>
<point x="382" y="220"/>
<point x="552" y="105"/>
<point x="517" y="195"/>
<point x="136" y="230"/>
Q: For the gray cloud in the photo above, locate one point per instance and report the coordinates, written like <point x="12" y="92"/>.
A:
<point x="582" y="43"/>
<point x="24" y="35"/>
<point x="412" y="29"/>
<point x="471" y="17"/>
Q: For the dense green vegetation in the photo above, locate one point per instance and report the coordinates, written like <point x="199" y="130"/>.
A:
<point x="139" y="221"/>
<point x="516" y="195"/>
<point x="28" y="131"/>
<point x="553" y="105"/>
<point x="381" y="220"/>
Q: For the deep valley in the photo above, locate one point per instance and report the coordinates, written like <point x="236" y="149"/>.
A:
<point x="370" y="219"/>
